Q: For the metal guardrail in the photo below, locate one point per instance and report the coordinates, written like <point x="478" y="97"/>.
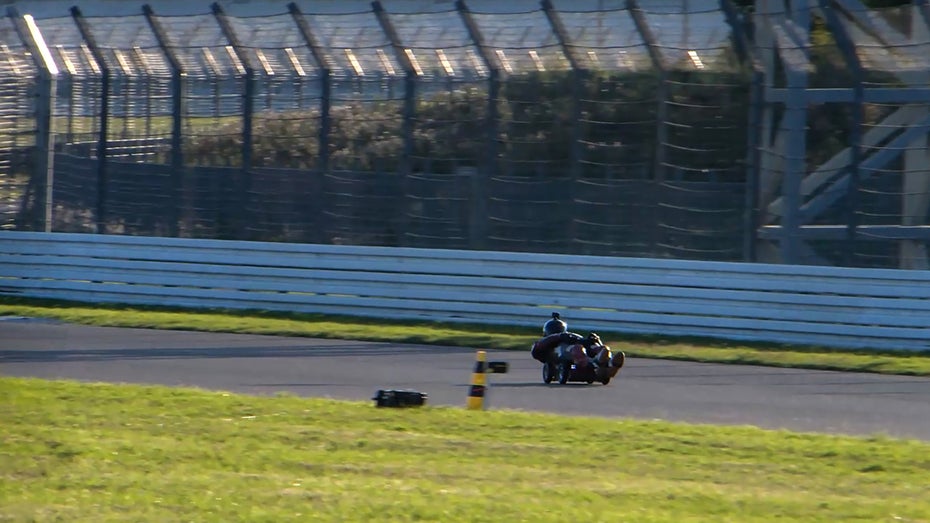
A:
<point x="827" y="306"/>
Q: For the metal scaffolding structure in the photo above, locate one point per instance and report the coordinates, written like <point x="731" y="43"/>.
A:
<point x="887" y="75"/>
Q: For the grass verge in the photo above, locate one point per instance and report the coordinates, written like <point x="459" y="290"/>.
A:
<point x="464" y="335"/>
<point x="102" y="452"/>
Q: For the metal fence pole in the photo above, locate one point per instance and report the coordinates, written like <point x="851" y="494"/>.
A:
<point x="661" y="137"/>
<point x="848" y="49"/>
<point x="326" y="83"/>
<point x="743" y="46"/>
<point x="793" y="127"/>
<point x="248" y="112"/>
<point x="103" y="180"/>
<point x="410" y="85"/>
<point x="478" y="220"/>
<point x="177" y="114"/>
<point x="916" y="184"/>
<point x="579" y="74"/>
<point x="655" y="56"/>
<point x="29" y="34"/>
<point x="753" y="164"/>
<point x="248" y="98"/>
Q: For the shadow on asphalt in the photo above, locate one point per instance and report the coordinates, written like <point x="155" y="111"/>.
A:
<point x="316" y="351"/>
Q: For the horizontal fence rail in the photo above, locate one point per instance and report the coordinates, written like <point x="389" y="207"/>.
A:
<point x="828" y="306"/>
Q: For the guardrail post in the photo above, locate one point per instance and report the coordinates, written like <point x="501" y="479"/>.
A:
<point x="32" y="38"/>
<point x="410" y="84"/>
<point x="319" y="55"/>
<point x="103" y="179"/>
<point x="248" y="112"/>
<point x="478" y="221"/>
<point x="177" y="114"/>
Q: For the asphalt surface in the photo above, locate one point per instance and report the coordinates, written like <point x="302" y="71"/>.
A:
<point x="794" y="399"/>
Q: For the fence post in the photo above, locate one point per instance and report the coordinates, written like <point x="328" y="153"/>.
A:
<point x="325" y="84"/>
<point x="248" y="112"/>
<point x="410" y="84"/>
<point x="848" y="49"/>
<point x="478" y="221"/>
<point x="743" y="46"/>
<point x="655" y="56"/>
<point x="579" y="74"/>
<point x="661" y="138"/>
<point x="32" y="38"/>
<point x="753" y="164"/>
<point x="177" y="113"/>
<point x="319" y="55"/>
<point x="103" y="179"/>
<point x="916" y="187"/>
<point x="793" y="132"/>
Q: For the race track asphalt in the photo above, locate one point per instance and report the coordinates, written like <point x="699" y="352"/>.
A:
<point x="793" y="399"/>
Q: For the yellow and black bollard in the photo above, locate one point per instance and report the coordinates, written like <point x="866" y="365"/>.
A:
<point x="478" y="383"/>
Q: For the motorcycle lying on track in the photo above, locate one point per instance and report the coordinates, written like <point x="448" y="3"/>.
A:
<point x="569" y="357"/>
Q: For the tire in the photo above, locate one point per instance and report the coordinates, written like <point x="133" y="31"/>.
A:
<point x="547" y="373"/>
<point x="605" y="380"/>
<point x="565" y="370"/>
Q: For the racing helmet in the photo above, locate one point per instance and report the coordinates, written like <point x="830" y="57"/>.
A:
<point x="555" y="325"/>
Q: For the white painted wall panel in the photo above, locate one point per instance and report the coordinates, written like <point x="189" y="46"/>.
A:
<point x="840" y="307"/>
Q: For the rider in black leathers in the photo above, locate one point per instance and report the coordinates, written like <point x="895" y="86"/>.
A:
<point x="556" y="333"/>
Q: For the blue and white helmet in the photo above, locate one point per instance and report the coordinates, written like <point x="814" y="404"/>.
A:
<point x="555" y="325"/>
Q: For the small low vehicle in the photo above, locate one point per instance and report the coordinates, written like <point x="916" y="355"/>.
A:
<point x="568" y="357"/>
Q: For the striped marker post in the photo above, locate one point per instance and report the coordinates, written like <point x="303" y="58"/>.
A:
<point x="478" y="382"/>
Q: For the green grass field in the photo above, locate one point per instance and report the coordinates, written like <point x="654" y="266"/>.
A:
<point x="105" y="452"/>
<point x="101" y="452"/>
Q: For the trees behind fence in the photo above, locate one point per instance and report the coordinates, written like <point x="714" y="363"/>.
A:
<point x="611" y="128"/>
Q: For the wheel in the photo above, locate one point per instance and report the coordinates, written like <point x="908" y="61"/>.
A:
<point x="605" y="380"/>
<point x="548" y="373"/>
<point x="565" y="370"/>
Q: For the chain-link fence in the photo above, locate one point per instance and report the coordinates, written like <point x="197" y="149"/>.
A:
<point x="601" y="127"/>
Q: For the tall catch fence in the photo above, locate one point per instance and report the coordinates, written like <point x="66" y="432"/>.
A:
<point x="641" y="128"/>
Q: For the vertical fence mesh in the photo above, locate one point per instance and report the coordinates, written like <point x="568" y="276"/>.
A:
<point x="449" y="131"/>
<point x="139" y="109"/>
<point x="78" y="124"/>
<point x="361" y="188"/>
<point x="591" y="127"/>
<point x="617" y="139"/>
<point x="283" y="191"/>
<point x="17" y="129"/>
<point x="894" y="187"/>
<point x="527" y="206"/>
<point x="699" y="212"/>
